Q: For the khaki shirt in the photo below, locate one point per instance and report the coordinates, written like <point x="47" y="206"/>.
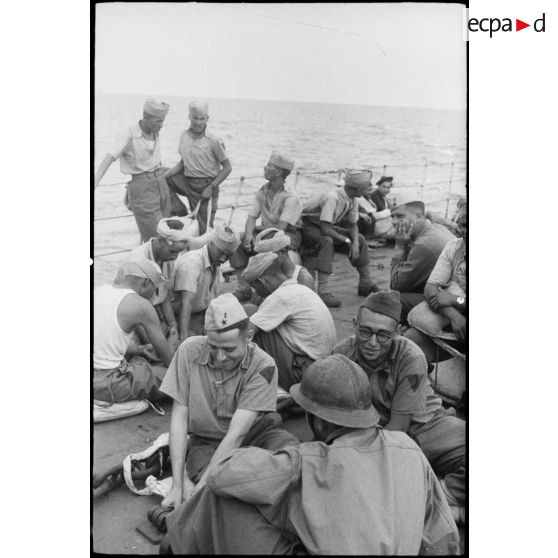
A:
<point x="137" y="154"/>
<point x="410" y="272"/>
<point x="301" y="318"/>
<point x="451" y="267"/>
<point x="194" y="273"/>
<point x="212" y="396"/>
<point x="401" y="384"/>
<point x="203" y="155"/>
<point x="368" y="492"/>
<point x="332" y="206"/>
<point x="274" y="207"/>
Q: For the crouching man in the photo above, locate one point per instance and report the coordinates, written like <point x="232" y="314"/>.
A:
<point x="120" y="372"/>
<point x="222" y="385"/>
<point x="292" y="324"/>
<point x="358" y="489"/>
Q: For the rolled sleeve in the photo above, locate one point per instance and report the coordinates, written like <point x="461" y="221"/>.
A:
<point x="120" y="144"/>
<point x="441" y="274"/>
<point x="256" y="209"/>
<point x="353" y="216"/>
<point x="187" y="275"/>
<point x="260" y="392"/>
<point x="218" y="150"/>
<point x="176" y="383"/>
<point x="327" y="212"/>
<point x="273" y="311"/>
<point x="292" y="210"/>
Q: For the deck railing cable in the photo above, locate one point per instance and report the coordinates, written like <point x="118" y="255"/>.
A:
<point x="242" y="181"/>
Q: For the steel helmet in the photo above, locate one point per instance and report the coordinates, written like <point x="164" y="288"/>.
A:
<point x="337" y="390"/>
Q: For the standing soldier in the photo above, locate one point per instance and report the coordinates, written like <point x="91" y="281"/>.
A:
<point x="139" y="151"/>
<point x="204" y="164"/>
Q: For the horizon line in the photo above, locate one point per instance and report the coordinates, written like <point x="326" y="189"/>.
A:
<point x="280" y="100"/>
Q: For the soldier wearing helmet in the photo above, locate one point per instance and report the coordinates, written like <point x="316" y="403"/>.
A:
<point x="357" y="489"/>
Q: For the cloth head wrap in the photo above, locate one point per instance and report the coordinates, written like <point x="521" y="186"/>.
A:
<point x="273" y="243"/>
<point x="387" y="303"/>
<point x="357" y="179"/>
<point x="384" y="179"/>
<point x="281" y="161"/>
<point x="258" y="265"/>
<point x="155" y="108"/>
<point x="201" y="106"/>
<point x="224" y="312"/>
<point x="174" y="235"/>
<point x="144" y="268"/>
<point x="225" y="239"/>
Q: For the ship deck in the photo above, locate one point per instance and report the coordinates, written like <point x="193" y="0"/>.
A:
<point x="117" y="513"/>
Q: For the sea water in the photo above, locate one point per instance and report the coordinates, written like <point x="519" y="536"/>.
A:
<point x="414" y="145"/>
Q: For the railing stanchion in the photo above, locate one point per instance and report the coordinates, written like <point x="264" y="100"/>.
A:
<point x="235" y="203"/>
<point x="423" y="180"/>
<point x="449" y="190"/>
<point x="296" y="180"/>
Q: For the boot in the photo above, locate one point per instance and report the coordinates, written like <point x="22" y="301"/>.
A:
<point x="365" y="284"/>
<point x="330" y="300"/>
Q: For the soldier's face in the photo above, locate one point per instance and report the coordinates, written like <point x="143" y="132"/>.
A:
<point x="198" y="120"/>
<point x="227" y="349"/>
<point x="374" y="335"/>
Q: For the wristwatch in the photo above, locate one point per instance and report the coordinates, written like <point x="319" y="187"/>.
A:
<point x="460" y="301"/>
<point x="348" y="241"/>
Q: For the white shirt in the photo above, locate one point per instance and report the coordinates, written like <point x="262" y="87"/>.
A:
<point x="137" y="154"/>
<point x="301" y="319"/>
<point x="110" y="341"/>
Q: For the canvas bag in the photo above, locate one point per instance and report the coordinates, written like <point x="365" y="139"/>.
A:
<point x="190" y="231"/>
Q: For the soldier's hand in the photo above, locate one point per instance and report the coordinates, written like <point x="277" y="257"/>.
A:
<point x="206" y="194"/>
<point x="173" y="498"/>
<point x="403" y="232"/>
<point x="459" y="327"/>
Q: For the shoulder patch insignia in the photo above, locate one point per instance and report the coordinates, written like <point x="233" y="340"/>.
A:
<point x="267" y="373"/>
<point x="414" y="380"/>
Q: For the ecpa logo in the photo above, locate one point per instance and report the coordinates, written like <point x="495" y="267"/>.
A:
<point x="494" y="24"/>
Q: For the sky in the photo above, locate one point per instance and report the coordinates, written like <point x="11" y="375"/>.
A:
<point x="407" y="54"/>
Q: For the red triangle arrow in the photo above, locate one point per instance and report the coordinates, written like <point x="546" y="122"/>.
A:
<point x="519" y="25"/>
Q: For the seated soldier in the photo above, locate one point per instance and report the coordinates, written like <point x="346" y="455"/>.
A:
<point x="379" y="196"/>
<point x="446" y="297"/>
<point x="222" y="385"/>
<point x="198" y="279"/>
<point x="276" y="207"/>
<point x="356" y="490"/>
<point x="292" y="324"/>
<point x="329" y="219"/>
<point x="402" y="395"/>
<point x="119" y="372"/>
<point x="418" y="245"/>
<point x="377" y="208"/>
<point x="276" y="241"/>
<point x="163" y="252"/>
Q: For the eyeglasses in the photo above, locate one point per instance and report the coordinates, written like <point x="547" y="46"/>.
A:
<point x="381" y="337"/>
